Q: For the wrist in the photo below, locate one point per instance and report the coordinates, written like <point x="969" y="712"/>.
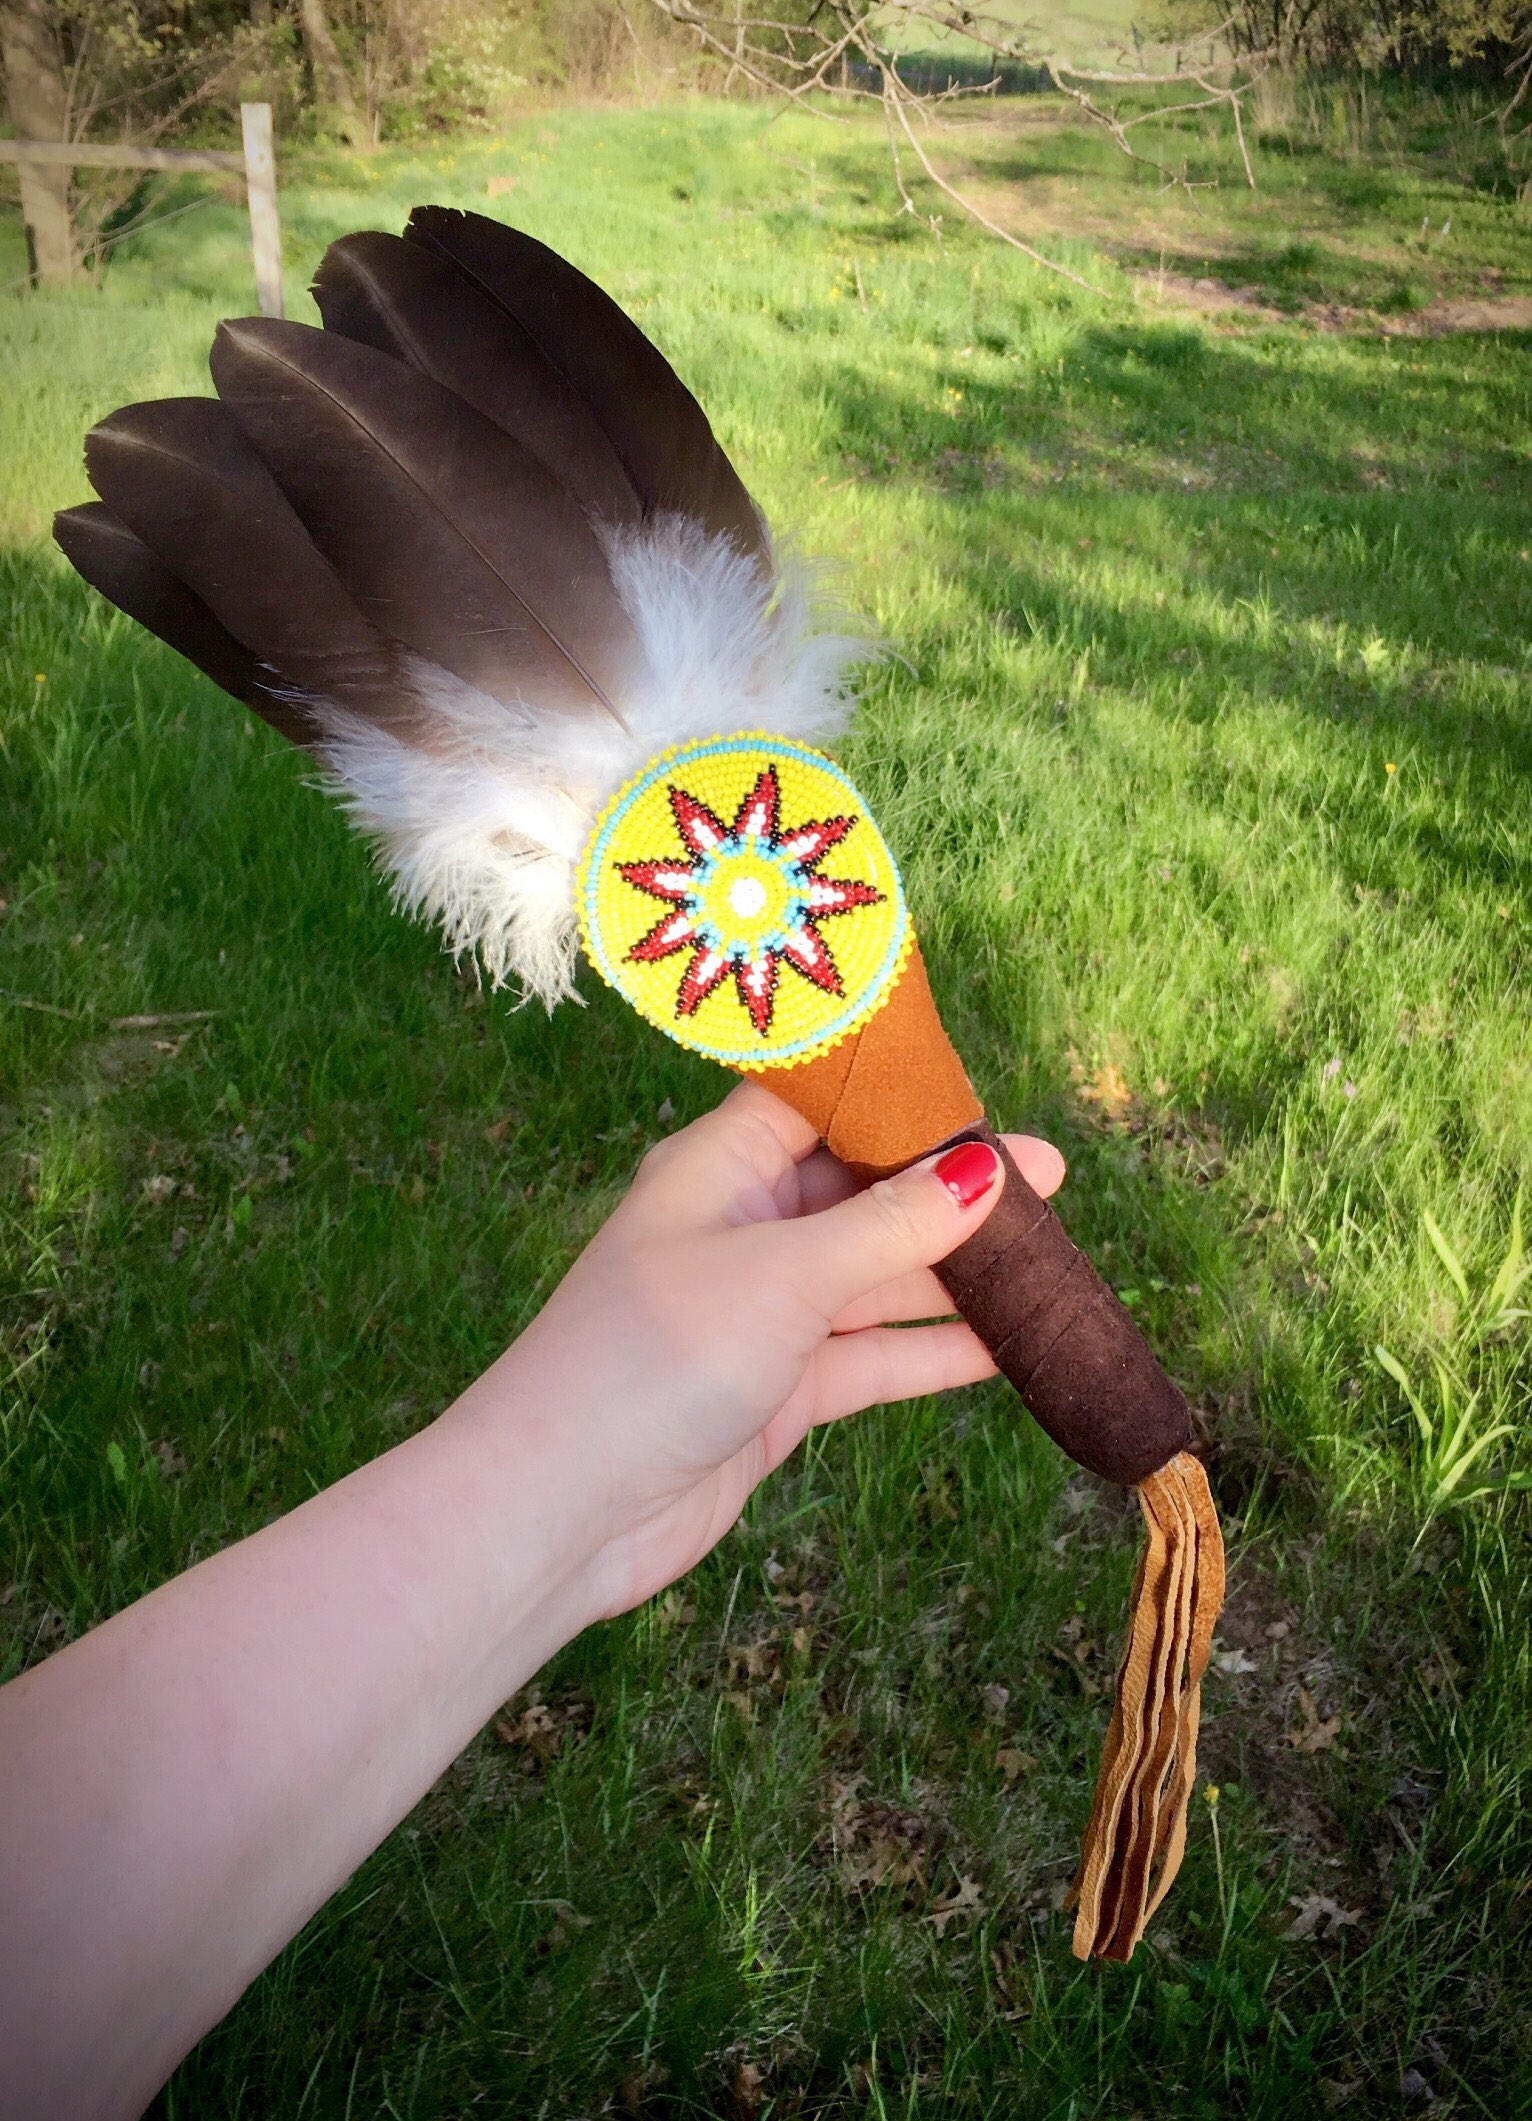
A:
<point x="525" y="1435"/>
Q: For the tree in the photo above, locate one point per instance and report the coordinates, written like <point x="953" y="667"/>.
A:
<point x="39" y="107"/>
<point x="333" y="93"/>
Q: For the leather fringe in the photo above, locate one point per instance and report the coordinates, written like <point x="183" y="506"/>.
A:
<point x="1137" y="1832"/>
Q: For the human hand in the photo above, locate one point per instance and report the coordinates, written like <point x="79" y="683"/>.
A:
<point x="744" y="1292"/>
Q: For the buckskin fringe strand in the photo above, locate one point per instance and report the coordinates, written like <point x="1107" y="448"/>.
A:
<point x="1137" y="1832"/>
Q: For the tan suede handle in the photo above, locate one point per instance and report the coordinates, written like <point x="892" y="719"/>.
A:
<point x="891" y="1094"/>
<point x="1062" y="1338"/>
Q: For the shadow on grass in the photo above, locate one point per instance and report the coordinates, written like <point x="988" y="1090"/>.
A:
<point x="1250" y="479"/>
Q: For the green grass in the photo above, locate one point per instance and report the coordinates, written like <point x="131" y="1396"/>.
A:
<point x="1209" y="764"/>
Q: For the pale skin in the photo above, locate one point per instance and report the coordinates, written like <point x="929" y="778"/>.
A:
<point x="184" y="1786"/>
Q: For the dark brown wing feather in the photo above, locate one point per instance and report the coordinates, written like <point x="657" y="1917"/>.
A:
<point x="654" y="423"/>
<point x="180" y="475"/>
<point x="413" y="304"/>
<point x="127" y="573"/>
<point x="452" y="538"/>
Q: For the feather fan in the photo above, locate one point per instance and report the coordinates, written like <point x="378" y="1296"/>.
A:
<point x="473" y="544"/>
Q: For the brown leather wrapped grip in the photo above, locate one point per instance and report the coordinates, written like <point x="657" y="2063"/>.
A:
<point x="888" y="1096"/>
<point x="1060" y="1335"/>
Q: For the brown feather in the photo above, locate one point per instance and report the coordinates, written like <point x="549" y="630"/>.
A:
<point x="180" y="475"/>
<point x="452" y="538"/>
<point x="414" y="305"/>
<point x="126" y="572"/>
<point x="654" y="423"/>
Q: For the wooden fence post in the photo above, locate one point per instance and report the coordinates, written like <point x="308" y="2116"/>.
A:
<point x="261" y="191"/>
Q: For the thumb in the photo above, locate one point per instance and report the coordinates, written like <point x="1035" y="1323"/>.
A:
<point x="910" y="1220"/>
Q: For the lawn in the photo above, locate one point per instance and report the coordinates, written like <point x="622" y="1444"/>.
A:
<point x="1207" y="754"/>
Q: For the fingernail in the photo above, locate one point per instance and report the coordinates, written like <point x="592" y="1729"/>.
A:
<point x="968" y="1171"/>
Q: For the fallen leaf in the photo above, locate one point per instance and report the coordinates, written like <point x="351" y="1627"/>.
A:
<point x="753" y="1660"/>
<point x="967" y="1899"/>
<point x="996" y="1700"/>
<point x="874" y="1844"/>
<point x="1320" y="1916"/>
<point x="1234" y="1662"/>
<point x="745" y="2091"/>
<point x="1078" y="1655"/>
<point x="1439" y="1672"/>
<point x="543" y="1728"/>
<point x="1313" y="1734"/>
<point x="1013" y="1764"/>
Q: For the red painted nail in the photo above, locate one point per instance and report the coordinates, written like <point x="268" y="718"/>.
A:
<point x="968" y="1171"/>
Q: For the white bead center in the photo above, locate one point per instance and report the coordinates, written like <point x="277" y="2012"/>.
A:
<point x="747" y="895"/>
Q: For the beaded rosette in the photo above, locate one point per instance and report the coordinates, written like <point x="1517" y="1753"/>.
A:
<point x="738" y="894"/>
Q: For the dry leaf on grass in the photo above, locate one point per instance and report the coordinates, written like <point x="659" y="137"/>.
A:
<point x="745" y="2091"/>
<point x="1320" y="1916"/>
<point x="874" y="1844"/>
<point x="750" y="1661"/>
<point x="1078" y="1655"/>
<point x="1013" y="1764"/>
<point x="966" y="1898"/>
<point x="1312" y="1733"/>
<point x="542" y="1729"/>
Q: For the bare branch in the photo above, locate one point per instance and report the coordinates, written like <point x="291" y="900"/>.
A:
<point x="896" y="101"/>
<point x="836" y="53"/>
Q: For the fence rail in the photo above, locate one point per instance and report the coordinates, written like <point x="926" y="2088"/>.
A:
<point x="81" y="154"/>
<point x="256" y="164"/>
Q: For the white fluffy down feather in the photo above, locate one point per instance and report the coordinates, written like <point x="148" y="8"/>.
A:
<point x="482" y="828"/>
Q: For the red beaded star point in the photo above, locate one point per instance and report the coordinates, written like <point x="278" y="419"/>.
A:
<point x="747" y="900"/>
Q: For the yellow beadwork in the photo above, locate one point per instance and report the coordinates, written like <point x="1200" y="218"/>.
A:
<point x="762" y="913"/>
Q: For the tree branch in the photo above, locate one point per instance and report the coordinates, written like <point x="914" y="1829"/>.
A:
<point x="823" y="53"/>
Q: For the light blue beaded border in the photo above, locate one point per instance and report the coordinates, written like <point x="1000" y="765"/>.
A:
<point x="855" y="1013"/>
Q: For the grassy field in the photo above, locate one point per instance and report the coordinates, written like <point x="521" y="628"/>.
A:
<point x="1208" y="756"/>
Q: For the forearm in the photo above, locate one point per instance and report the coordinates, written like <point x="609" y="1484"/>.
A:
<point x="182" y="1788"/>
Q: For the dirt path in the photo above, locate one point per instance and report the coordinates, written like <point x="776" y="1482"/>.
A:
<point x="1482" y="313"/>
